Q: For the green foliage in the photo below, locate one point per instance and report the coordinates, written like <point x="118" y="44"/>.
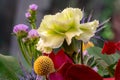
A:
<point x="105" y="63"/>
<point x="108" y="9"/>
<point x="105" y="14"/>
<point x="107" y="33"/>
<point x="9" y="68"/>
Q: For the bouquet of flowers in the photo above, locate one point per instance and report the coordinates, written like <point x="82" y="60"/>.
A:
<point x="62" y="49"/>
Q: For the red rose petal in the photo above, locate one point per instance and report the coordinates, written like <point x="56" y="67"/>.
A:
<point x="109" y="48"/>
<point x="61" y="73"/>
<point x="118" y="46"/>
<point x="117" y="71"/>
<point x="63" y="69"/>
<point x="109" y="79"/>
<point x="56" y="76"/>
<point x="59" y="59"/>
<point x="82" y="72"/>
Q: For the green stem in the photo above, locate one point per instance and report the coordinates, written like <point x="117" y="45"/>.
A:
<point x="22" y="50"/>
<point x="35" y="53"/>
<point x="31" y="49"/>
<point x="33" y="25"/>
<point x="28" y="50"/>
<point x="77" y="58"/>
<point x="81" y="52"/>
<point x="110" y="72"/>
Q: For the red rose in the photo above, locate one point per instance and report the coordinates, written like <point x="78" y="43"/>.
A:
<point x="109" y="48"/>
<point x="118" y="46"/>
<point x="117" y="71"/>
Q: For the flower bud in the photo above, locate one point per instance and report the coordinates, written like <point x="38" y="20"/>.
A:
<point x="27" y="15"/>
<point x="33" y="34"/>
<point x="20" y="30"/>
<point x="33" y="7"/>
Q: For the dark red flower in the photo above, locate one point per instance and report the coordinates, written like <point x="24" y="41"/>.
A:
<point x="117" y="71"/>
<point x="67" y="70"/>
<point x="71" y="71"/>
<point x="59" y="59"/>
<point x="61" y="63"/>
<point x="109" y="48"/>
<point x="56" y="76"/>
<point x="118" y="46"/>
<point x="60" y="74"/>
<point x="109" y="79"/>
<point x="81" y="72"/>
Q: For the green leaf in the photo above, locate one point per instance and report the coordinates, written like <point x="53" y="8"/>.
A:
<point x="107" y="33"/>
<point x="9" y="68"/>
<point x="109" y="59"/>
<point x="90" y="61"/>
<point x="105" y="63"/>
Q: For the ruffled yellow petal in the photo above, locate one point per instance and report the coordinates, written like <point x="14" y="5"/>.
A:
<point x="70" y="13"/>
<point x="88" y="30"/>
<point x="72" y="33"/>
<point x="43" y="48"/>
<point x="52" y="39"/>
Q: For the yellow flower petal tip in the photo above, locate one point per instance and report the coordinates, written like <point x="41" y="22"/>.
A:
<point x="43" y="65"/>
<point x="87" y="45"/>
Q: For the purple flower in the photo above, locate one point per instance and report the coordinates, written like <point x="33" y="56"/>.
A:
<point x="19" y="28"/>
<point x="33" y="7"/>
<point x="27" y="15"/>
<point x="33" y="34"/>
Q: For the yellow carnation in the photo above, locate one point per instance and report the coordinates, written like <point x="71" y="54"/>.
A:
<point x="54" y="29"/>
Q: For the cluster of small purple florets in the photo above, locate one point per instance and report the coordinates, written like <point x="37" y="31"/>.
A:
<point x="32" y="7"/>
<point x="22" y="30"/>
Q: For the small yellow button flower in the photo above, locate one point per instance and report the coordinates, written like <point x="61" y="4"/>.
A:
<point x="43" y="65"/>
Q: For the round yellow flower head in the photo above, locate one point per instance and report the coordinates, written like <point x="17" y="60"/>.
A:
<point x="87" y="45"/>
<point x="43" y="65"/>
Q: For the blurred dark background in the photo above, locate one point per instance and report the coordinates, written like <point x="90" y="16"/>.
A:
<point x="12" y="12"/>
<point x="7" y="16"/>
